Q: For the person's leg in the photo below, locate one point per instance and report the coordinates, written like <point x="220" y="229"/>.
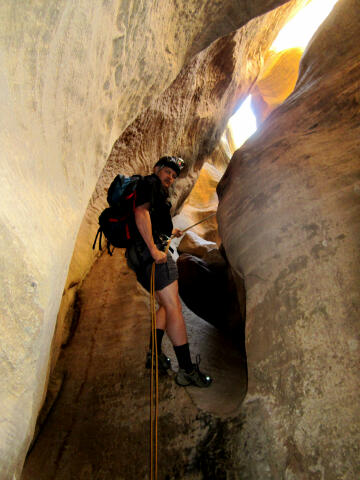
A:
<point x="161" y="318"/>
<point x="160" y="328"/>
<point x="164" y="361"/>
<point x="188" y="374"/>
<point x="168" y="298"/>
<point x="159" y="337"/>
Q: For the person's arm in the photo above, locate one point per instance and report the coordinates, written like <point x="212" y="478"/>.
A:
<point x="143" y="223"/>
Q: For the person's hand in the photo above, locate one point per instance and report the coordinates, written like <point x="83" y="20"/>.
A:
<point x="159" y="256"/>
<point x="177" y="232"/>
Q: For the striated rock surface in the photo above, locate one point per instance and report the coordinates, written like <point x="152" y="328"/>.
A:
<point x="289" y="221"/>
<point x="276" y="82"/>
<point x="202" y="203"/>
<point x="99" y="425"/>
<point x="73" y="76"/>
<point x="188" y="120"/>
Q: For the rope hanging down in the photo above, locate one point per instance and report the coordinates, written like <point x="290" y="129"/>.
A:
<point x="154" y="376"/>
<point x="154" y="395"/>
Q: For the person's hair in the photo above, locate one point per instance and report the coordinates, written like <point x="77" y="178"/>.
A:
<point x="176" y="163"/>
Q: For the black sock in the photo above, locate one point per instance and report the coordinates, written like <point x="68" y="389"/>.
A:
<point x="159" y="337"/>
<point x="182" y="353"/>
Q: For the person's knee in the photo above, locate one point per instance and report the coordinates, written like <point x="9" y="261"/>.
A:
<point x="178" y="303"/>
<point x="173" y="305"/>
<point x="169" y="298"/>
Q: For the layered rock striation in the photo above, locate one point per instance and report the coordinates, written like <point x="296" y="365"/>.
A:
<point x="73" y="77"/>
<point x="99" y="426"/>
<point x="289" y="221"/>
<point x="187" y="119"/>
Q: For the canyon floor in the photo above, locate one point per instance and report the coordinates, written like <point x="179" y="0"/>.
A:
<point x="99" y="426"/>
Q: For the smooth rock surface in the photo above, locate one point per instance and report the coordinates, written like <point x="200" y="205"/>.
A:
<point x="188" y="120"/>
<point x="209" y="290"/>
<point x="73" y="76"/>
<point x="99" y="426"/>
<point x="289" y="218"/>
<point x="276" y="82"/>
<point x="195" y="245"/>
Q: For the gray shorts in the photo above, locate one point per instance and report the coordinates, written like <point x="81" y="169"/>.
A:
<point x="141" y="262"/>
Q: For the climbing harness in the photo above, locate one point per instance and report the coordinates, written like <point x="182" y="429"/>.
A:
<point x="154" y="395"/>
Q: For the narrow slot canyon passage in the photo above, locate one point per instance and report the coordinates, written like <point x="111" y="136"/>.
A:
<point x="99" y="425"/>
<point x="93" y="91"/>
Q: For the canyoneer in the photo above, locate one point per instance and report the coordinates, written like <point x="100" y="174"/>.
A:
<point x="152" y="228"/>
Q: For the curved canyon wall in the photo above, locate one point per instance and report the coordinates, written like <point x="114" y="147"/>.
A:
<point x="73" y="77"/>
<point x="187" y="119"/>
<point x="289" y="221"/>
<point x="277" y="81"/>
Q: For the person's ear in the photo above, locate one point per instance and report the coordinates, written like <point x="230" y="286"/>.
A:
<point x="156" y="170"/>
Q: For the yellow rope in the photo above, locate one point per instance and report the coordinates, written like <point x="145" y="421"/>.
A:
<point x="154" y="418"/>
<point x="197" y="223"/>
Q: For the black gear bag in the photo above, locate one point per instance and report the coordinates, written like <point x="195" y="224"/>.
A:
<point x="114" y="221"/>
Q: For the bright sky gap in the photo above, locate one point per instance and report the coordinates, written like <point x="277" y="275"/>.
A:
<point x="296" y="33"/>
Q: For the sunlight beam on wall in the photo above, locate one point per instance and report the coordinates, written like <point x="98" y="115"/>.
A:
<point x="296" y="33"/>
<point x="243" y="123"/>
<point x="299" y="30"/>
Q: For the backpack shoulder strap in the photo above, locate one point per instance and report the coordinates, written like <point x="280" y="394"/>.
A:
<point x="99" y="232"/>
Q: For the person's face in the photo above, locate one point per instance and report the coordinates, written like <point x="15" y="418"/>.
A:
<point x="167" y="176"/>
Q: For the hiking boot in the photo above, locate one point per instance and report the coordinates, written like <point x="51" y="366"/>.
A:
<point x="196" y="378"/>
<point x="164" y="362"/>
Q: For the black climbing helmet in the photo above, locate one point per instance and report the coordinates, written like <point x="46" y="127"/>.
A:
<point x="176" y="163"/>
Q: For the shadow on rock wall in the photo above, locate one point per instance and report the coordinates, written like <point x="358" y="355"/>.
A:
<point x="207" y="287"/>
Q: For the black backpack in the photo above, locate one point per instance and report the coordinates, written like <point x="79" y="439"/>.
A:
<point x="114" y="221"/>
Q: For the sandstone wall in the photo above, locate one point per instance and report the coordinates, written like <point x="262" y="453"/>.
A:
<point x="187" y="120"/>
<point x="277" y="81"/>
<point x="289" y="220"/>
<point x="73" y="75"/>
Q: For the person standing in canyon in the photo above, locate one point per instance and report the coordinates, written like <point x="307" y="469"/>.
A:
<point x="152" y="228"/>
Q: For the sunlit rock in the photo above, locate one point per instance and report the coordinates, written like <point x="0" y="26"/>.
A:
<point x="195" y="245"/>
<point x="73" y="77"/>
<point x="276" y="82"/>
<point x="201" y="204"/>
<point x="188" y="120"/>
<point x="289" y="222"/>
